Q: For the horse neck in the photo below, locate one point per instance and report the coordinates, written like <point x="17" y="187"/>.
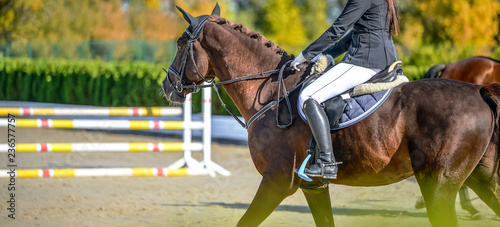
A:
<point x="235" y="56"/>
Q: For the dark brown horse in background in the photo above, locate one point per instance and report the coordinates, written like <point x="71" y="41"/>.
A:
<point x="441" y="131"/>
<point x="477" y="70"/>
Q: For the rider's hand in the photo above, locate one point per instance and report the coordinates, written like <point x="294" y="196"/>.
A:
<point x="297" y="61"/>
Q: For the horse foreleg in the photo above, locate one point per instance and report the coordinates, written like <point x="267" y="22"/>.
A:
<point x="270" y="194"/>
<point x="318" y="199"/>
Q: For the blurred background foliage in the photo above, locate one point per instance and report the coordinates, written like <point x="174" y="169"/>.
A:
<point x="432" y="32"/>
<point x="292" y="24"/>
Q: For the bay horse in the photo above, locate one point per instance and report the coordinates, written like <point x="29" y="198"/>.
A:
<point x="443" y="132"/>
<point x="476" y="70"/>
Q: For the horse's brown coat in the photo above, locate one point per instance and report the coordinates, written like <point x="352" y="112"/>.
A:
<point x="476" y="70"/>
<point x="441" y="131"/>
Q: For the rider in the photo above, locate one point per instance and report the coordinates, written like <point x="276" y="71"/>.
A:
<point x="369" y="47"/>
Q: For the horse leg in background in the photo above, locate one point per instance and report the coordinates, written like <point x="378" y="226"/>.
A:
<point x="318" y="199"/>
<point x="420" y="203"/>
<point x="270" y="194"/>
<point x="484" y="180"/>
<point x="488" y="192"/>
<point x="466" y="204"/>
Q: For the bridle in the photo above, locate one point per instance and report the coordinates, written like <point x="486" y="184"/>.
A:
<point x="182" y="89"/>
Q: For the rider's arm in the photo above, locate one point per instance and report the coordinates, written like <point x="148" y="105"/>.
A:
<point x="353" y="10"/>
<point x="340" y="47"/>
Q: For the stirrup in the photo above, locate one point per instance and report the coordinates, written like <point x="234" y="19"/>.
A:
<point x="310" y="152"/>
<point x="300" y="171"/>
<point x="322" y="174"/>
<point x="330" y="176"/>
<point x="306" y="177"/>
<point x="331" y="164"/>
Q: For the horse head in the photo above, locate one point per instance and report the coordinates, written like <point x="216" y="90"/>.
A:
<point x="191" y="63"/>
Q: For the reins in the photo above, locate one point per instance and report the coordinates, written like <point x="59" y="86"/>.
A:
<point x="267" y="107"/>
<point x="181" y="88"/>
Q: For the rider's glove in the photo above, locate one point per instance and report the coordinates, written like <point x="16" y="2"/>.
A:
<point x="297" y="61"/>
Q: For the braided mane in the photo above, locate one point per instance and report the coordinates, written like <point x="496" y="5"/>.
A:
<point x="228" y="25"/>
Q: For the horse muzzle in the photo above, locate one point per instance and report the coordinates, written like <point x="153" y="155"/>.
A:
<point x="173" y="91"/>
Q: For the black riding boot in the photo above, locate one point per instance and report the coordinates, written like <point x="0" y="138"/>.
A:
<point x="325" y="166"/>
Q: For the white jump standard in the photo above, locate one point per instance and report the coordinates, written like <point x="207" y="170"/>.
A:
<point x="186" y="166"/>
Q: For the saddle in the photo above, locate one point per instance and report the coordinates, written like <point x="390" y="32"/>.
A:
<point x="353" y="105"/>
<point x="361" y="99"/>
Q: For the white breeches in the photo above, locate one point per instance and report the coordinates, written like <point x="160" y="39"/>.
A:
<point x="335" y="81"/>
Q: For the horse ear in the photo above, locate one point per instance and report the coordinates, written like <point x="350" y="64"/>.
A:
<point x="186" y="15"/>
<point x="216" y="10"/>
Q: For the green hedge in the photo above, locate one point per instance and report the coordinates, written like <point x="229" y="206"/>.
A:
<point x="89" y="83"/>
<point x="80" y="82"/>
<point x="138" y="84"/>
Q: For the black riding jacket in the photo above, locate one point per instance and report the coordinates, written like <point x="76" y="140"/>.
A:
<point x="369" y="44"/>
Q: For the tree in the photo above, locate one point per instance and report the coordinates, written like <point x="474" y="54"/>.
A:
<point x="450" y="22"/>
<point x="49" y="20"/>
<point x="195" y="8"/>
<point x="112" y="23"/>
<point x="154" y="20"/>
<point x="282" y="24"/>
<point x="314" y="18"/>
